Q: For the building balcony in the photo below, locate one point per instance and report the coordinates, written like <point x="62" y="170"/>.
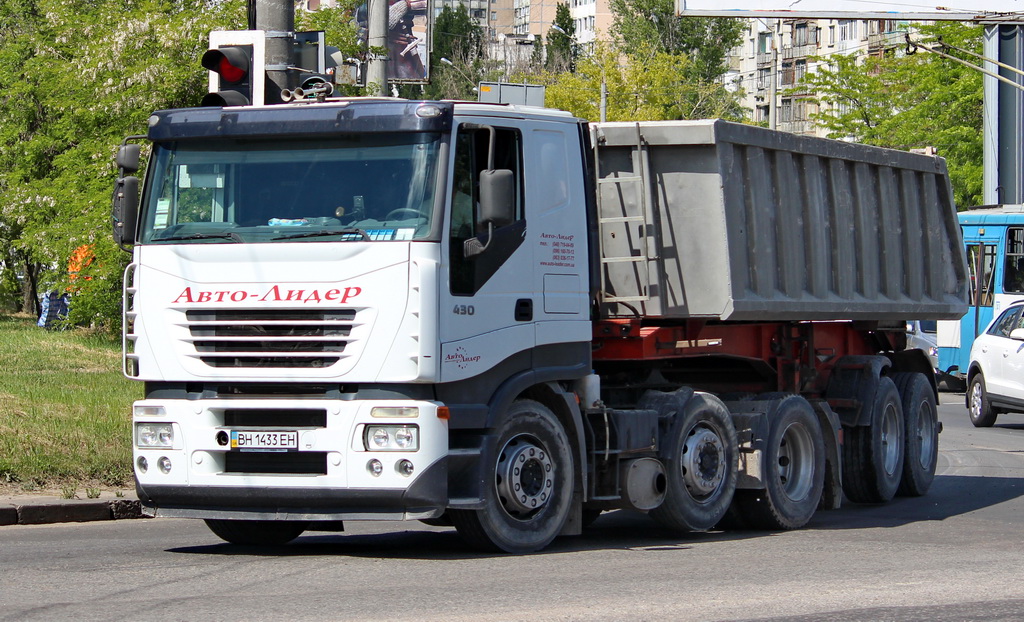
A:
<point x="885" y="40"/>
<point x="799" y="51"/>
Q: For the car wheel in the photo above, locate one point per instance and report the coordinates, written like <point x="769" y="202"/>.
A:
<point x="978" y="407"/>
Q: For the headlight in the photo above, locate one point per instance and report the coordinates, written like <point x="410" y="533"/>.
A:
<point x="391" y="438"/>
<point x="153" y="435"/>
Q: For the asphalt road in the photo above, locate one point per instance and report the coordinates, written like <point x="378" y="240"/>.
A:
<point x="955" y="554"/>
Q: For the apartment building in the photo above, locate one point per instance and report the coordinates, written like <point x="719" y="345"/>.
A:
<point x="786" y="50"/>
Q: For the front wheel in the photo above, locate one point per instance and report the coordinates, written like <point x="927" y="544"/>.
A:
<point x="528" y="485"/>
<point x="256" y="532"/>
<point x="981" y="411"/>
<point x="701" y="463"/>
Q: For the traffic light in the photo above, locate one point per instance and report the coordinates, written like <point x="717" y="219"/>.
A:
<point x="233" y="65"/>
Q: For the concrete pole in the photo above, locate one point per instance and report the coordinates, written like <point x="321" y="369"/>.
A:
<point x="277" y="19"/>
<point x="377" y="37"/>
<point x="604" y="101"/>
<point x="773" y="75"/>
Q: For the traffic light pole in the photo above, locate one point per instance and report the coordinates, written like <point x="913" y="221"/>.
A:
<point x="277" y="19"/>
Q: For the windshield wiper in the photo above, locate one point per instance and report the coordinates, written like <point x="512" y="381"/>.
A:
<point x="203" y="236"/>
<point x="322" y="232"/>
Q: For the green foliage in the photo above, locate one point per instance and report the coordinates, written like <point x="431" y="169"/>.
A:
<point x="907" y="102"/>
<point x="458" y="39"/>
<point x="641" y="25"/>
<point x="75" y="78"/>
<point x="562" y="47"/>
<point x="649" y="85"/>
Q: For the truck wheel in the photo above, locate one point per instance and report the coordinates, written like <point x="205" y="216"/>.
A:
<point x="256" y="532"/>
<point x="981" y="411"/>
<point x="700" y="457"/>
<point x="794" y="470"/>
<point x="873" y="454"/>
<point x="921" y="419"/>
<point x="528" y="489"/>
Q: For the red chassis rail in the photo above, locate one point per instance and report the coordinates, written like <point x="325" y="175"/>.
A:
<point x="801" y="355"/>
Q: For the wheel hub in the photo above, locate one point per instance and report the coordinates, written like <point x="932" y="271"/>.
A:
<point x="525" y="477"/>
<point x="703" y="462"/>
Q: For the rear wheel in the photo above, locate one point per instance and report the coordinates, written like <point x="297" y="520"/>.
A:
<point x="981" y="411"/>
<point x="256" y="532"/>
<point x="794" y="470"/>
<point x="922" y="434"/>
<point x="528" y="485"/>
<point x="873" y="454"/>
<point x="700" y="458"/>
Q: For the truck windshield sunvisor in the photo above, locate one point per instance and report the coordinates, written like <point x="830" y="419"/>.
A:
<point x="372" y="187"/>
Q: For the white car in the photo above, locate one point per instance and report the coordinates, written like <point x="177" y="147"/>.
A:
<point x="995" y="379"/>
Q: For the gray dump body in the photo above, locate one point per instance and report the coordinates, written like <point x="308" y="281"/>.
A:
<point x="709" y="219"/>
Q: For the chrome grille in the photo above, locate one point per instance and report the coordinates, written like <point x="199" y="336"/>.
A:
<point x="283" y="338"/>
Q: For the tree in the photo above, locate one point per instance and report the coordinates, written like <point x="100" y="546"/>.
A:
<point x="75" y="78"/>
<point x="641" y="25"/>
<point x="459" y="39"/>
<point x="648" y="86"/>
<point x="910" y="101"/>
<point x="562" y="47"/>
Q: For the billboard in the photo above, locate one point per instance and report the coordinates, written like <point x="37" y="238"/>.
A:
<point x="961" y="11"/>
<point x="408" y="39"/>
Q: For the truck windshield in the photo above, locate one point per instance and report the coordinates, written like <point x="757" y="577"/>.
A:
<point x="376" y="187"/>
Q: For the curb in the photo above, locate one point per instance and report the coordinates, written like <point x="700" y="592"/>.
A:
<point x="48" y="511"/>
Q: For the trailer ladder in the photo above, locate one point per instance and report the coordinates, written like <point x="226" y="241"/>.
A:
<point x="642" y="252"/>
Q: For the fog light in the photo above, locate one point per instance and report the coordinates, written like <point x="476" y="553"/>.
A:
<point x="142" y="464"/>
<point x="165" y="464"/>
<point x="375" y="467"/>
<point x="404" y="467"/>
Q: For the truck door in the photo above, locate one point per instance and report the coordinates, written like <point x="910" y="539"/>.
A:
<point x="486" y="297"/>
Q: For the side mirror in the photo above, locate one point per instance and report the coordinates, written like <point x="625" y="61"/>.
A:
<point x="496" y="209"/>
<point x="128" y="158"/>
<point x="497" y="197"/>
<point x="125" y="213"/>
<point x="1017" y="334"/>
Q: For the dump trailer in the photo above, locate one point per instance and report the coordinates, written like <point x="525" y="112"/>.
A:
<point x="507" y="319"/>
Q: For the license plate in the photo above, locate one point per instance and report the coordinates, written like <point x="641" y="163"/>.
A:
<point x="258" y="440"/>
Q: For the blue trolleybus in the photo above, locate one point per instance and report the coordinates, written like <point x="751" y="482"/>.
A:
<point x="994" y="239"/>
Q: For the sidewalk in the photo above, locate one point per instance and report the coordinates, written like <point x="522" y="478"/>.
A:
<point x="39" y="510"/>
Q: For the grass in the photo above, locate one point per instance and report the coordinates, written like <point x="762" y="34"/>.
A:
<point x="65" y="408"/>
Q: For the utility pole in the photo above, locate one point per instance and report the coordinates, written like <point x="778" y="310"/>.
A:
<point x="377" y="39"/>
<point x="277" y="19"/>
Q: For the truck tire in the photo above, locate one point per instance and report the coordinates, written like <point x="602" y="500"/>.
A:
<point x="700" y="457"/>
<point x="256" y="532"/>
<point x="794" y="470"/>
<point x="921" y="438"/>
<point x="528" y="486"/>
<point x="978" y="407"/>
<point x="873" y="454"/>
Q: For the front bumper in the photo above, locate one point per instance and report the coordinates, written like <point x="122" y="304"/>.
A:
<point x="325" y="478"/>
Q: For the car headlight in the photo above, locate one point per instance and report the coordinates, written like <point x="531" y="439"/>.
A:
<point x="391" y="438"/>
<point x="153" y="435"/>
